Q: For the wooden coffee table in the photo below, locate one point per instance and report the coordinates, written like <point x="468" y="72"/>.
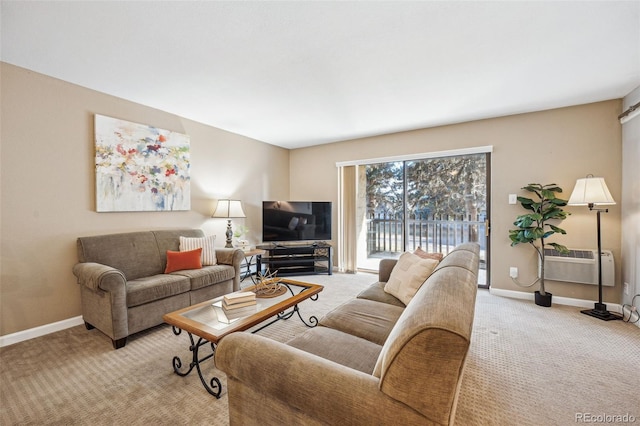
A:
<point x="204" y="321"/>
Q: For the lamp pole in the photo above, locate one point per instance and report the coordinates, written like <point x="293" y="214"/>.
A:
<point x="592" y="191"/>
<point x="601" y="307"/>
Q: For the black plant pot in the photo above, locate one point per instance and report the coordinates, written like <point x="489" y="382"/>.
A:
<point x="543" y="300"/>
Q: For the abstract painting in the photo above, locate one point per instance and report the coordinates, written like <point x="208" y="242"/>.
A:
<point x="140" y="167"/>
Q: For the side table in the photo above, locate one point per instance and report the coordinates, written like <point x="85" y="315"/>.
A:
<point x="251" y="257"/>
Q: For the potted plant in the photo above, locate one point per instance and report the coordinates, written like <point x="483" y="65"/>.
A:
<point x="534" y="227"/>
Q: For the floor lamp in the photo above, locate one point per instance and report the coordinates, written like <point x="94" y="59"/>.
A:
<point x="229" y="209"/>
<point x="592" y="192"/>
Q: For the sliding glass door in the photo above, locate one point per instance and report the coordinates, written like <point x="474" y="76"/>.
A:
<point x="432" y="203"/>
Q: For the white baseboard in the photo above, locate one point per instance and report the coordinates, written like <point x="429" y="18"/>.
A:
<point x="580" y="303"/>
<point x="32" y="333"/>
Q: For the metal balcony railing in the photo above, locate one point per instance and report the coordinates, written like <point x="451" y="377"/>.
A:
<point x="435" y="234"/>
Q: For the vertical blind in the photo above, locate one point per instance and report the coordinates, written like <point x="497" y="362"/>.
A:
<point x="347" y="240"/>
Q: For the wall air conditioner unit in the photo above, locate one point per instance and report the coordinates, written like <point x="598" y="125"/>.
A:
<point x="578" y="266"/>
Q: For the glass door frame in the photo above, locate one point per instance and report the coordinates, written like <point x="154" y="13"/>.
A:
<point x="487" y="150"/>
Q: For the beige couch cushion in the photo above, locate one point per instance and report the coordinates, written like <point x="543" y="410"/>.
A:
<point x="376" y="293"/>
<point x="207" y="275"/>
<point x="149" y="289"/>
<point x="408" y="275"/>
<point x="363" y="318"/>
<point x="345" y="349"/>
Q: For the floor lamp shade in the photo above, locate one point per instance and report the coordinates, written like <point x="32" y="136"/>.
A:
<point x="229" y="209"/>
<point x="592" y="191"/>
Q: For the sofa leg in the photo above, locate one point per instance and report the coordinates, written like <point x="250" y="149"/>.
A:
<point x="119" y="343"/>
<point x="88" y="326"/>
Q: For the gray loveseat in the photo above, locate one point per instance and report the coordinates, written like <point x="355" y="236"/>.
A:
<point x="371" y="361"/>
<point x="123" y="286"/>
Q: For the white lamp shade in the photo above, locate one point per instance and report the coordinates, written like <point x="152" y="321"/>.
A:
<point x="229" y="209"/>
<point x="591" y="190"/>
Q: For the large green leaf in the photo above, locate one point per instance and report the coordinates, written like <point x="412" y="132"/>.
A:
<point x="557" y="230"/>
<point x="554" y="212"/>
<point x="561" y="215"/>
<point x="526" y="202"/>
<point x="520" y="236"/>
<point x="533" y="234"/>
<point x="533" y="188"/>
<point x="559" y="247"/>
<point x="536" y="207"/>
<point x="526" y="220"/>
<point x="549" y="195"/>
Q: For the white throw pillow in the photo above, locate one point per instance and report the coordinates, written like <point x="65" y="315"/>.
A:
<point x="205" y="243"/>
<point x="408" y="275"/>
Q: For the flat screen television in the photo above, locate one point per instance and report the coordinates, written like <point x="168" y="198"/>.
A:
<point x="296" y="221"/>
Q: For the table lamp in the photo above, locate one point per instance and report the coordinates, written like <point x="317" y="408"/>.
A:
<point x="229" y="209"/>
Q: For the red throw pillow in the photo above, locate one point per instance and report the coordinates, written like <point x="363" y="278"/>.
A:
<point x="179" y="260"/>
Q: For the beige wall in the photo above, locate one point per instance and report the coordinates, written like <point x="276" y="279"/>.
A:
<point x="48" y="180"/>
<point x="47" y="183"/>
<point x="555" y="146"/>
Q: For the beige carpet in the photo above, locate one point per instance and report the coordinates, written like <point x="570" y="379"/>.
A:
<point x="527" y="366"/>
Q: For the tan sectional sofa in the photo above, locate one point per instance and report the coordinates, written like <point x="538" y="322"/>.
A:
<point x="123" y="286"/>
<point x="372" y="360"/>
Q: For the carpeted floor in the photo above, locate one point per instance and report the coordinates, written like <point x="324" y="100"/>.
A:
<point x="527" y="366"/>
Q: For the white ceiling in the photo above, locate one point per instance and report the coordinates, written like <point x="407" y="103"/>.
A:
<point x="297" y="74"/>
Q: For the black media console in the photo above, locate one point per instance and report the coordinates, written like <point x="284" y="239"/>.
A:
<point x="297" y="259"/>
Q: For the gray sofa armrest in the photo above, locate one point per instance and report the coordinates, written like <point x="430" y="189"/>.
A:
<point x="233" y="257"/>
<point x="97" y="276"/>
<point x="323" y="390"/>
<point x="384" y="269"/>
<point x="108" y="314"/>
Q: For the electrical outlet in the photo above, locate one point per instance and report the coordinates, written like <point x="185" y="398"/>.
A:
<point x="513" y="272"/>
<point x="626" y="289"/>
<point x="513" y="198"/>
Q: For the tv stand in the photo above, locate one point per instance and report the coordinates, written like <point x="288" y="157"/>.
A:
<point x="297" y="259"/>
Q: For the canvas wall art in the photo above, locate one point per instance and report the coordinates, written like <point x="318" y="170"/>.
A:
<point x="140" y="167"/>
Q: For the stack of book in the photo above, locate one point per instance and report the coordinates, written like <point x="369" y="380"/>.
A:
<point x="241" y="304"/>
